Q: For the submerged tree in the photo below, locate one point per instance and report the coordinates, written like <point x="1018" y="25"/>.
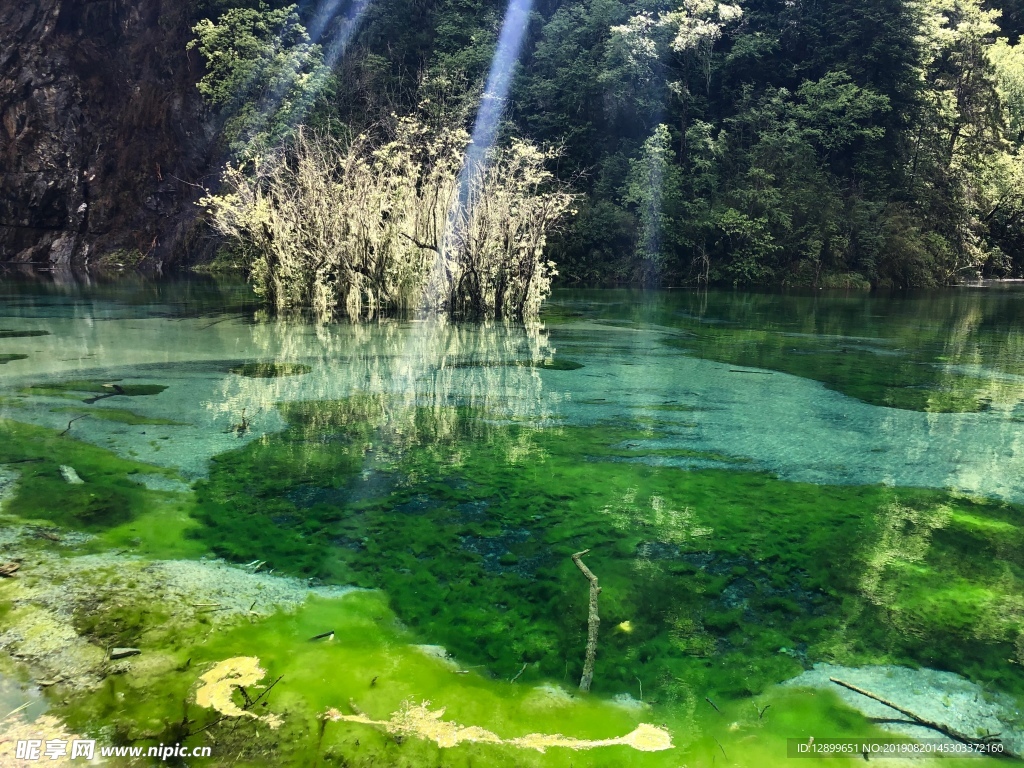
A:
<point x="353" y="228"/>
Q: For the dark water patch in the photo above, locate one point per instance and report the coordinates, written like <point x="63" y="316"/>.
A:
<point x="103" y="390"/>
<point x="658" y="550"/>
<point x="419" y="504"/>
<point x="673" y="407"/>
<point x="6" y="333"/>
<point x="499" y="553"/>
<point x="10" y="358"/>
<point x="270" y="370"/>
<point x="473" y="511"/>
<point x="306" y="496"/>
<point x="558" y="364"/>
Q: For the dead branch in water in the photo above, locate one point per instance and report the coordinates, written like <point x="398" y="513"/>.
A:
<point x="593" y="622"/>
<point x="963" y="738"/>
<point x="72" y="422"/>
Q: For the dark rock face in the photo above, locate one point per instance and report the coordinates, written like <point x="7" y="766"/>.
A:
<point x="102" y="131"/>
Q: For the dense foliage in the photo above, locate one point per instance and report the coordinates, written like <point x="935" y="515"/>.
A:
<point x="774" y="141"/>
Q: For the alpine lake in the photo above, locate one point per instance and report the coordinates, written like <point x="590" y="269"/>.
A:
<point x="348" y="544"/>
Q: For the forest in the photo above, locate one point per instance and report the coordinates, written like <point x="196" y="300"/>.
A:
<point x="869" y="143"/>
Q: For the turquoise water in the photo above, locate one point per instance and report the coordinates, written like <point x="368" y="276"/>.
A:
<point x="768" y="482"/>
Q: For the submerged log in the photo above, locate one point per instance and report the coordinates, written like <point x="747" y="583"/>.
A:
<point x="963" y="738"/>
<point x="593" y="622"/>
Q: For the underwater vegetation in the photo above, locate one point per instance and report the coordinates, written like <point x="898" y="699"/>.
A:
<point x="365" y="694"/>
<point x="106" y="500"/>
<point x="956" y="354"/>
<point x="724" y="580"/>
<point x="715" y="583"/>
<point x="10" y="357"/>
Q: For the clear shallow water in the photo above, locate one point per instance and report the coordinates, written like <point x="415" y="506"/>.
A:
<point x="767" y="481"/>
<point x="633" y="372"/>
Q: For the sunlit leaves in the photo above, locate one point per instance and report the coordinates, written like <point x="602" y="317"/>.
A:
<point x="262" y="70"/>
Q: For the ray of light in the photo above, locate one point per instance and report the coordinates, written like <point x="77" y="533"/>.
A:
<point x="485" y="127"/>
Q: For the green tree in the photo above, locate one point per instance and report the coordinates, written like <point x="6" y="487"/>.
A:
<point x="262" y="72"/>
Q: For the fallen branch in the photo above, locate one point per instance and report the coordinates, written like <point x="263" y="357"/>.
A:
<point x="72" y="422"/>
<point x="963" y="738"/>
<point x="721" y="748"/>
<point x="117" y="390"/>
<point x="268" y="689"/>
<point x="593" y="622"/>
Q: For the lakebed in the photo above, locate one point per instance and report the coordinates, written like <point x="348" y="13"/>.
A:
<point x="377" y="520"/>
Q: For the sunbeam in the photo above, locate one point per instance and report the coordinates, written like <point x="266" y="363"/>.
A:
<point x="499" y="80"/>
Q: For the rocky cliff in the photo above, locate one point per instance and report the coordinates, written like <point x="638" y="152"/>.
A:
<point x="103" y="135"/>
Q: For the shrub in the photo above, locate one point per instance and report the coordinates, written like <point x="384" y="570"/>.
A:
<point x="350" y="228"/>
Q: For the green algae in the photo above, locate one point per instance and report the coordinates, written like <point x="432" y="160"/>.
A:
<point x="106" y="500"/>
<point x="10" y="358"/>
<point x="120" y="416"/>
<point x="373" y="668"/>
<point x="714" y="570"/>
<point x="370" y="665"/>
<point x="270" y="370"/>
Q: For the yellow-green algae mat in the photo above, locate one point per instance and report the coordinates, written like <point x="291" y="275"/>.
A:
<point x="367" y="696"/>
<point x="364" y="695"/>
